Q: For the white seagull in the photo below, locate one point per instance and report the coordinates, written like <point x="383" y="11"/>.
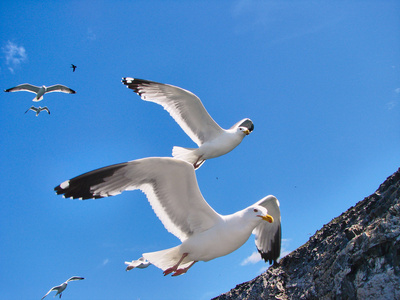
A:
<point x="60" y="288"/>
<point x="188" y="111"/>
<point x="38" y="109"/>
<point x="179" y="204"/>
<point x="141" y="263"/>
<point x="40" y="90"/>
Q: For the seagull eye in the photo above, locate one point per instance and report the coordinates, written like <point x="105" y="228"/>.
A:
<point x="255" y="210"/>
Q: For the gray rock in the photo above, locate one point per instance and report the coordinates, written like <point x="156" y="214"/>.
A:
<point x="355" y="256"/>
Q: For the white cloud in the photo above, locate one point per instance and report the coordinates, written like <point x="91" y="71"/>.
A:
<point x="255" y="257"/>
<point x="392" y="104"/>
<point x="91" y="35"/>
<point x="261" y="16"/>
<point x="14" y="54"/>
<point x="106" y="261"/>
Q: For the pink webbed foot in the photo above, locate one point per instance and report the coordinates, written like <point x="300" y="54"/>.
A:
<point x="184" y="270"/>
<point x="175" y="267"/>
<point x="169" y="270"/>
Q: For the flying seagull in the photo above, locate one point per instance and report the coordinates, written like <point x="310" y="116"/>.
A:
<point x="38" y="109"/>
<point x="73" y="67"/>
<point x="40" y="91"/>
<point x="179" y="204"/>
<point x="141" y="263"/>
<point x="60" y="288"/>
<point x="188" y="111"/>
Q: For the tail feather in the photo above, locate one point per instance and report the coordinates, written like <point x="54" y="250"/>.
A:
<point x="167" y="258"/>
<point x="188" y="154"/>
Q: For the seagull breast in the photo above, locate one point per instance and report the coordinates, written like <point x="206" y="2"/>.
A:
<point x="223" y="238"/>
<point x="224" y="143"/>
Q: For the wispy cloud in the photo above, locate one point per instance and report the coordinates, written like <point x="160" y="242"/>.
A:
<point x="91" y="35"/>
<point x="105" y="262"/>
<point x="255" y="257"/>
<point x="270" y="17"/>
<point x="14" y="55"/>
<point x="392" y="104"/>
<point x="252" y="259"/>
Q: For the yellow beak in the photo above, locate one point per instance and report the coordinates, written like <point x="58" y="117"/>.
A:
<point x="247" y="132"/>
<point x="267" y="218"/>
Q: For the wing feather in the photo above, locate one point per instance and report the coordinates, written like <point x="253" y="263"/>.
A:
<point x="52" y="289"/>
<point x="169" y="184"/>
<point x="60" y="88"/>
<point x="183" y="106"/>
<point x="24" y="87"/>
<point x="268" y="235"/>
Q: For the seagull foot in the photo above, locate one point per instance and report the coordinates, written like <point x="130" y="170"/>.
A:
<point x="175" y="267"/>
<point x="184" y="270"/>
<point x="179" y="272"/>
<point x="170" y="270"/>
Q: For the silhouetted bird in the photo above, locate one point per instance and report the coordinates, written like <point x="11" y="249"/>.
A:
<point x="38" y="109"/>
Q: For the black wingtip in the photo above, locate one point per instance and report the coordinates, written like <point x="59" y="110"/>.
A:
<point x="81" y="187"/>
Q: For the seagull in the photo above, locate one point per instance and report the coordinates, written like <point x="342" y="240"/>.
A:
<point x="40" y="91"/>
<point x="179" y="204"/>
<point x="60" y="288"/>
<point x="141" y="263"/>
<point x="38" y="110"/>
<point x="188" y="111"/>
<point x="73" y="67"/>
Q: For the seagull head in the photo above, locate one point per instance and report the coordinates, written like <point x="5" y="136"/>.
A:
<point x="246" y="126"/>
<point x="256" y="212"/>
<point x="244" y="130"/>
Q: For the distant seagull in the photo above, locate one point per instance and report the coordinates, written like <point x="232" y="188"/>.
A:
<point x="60" y="288"/>
<point x="188" y="111"/>
<point x="171" y="188"/>
<point x="38" y="110"/>
<point x="40" y="91"/>
<point x="73" y="67"/>
<point x="141" y="263"/>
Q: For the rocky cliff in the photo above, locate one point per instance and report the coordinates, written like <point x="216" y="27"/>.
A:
<point x="355" y="256"/>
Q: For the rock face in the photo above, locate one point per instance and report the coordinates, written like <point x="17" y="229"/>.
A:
<point x="355" y="256"/>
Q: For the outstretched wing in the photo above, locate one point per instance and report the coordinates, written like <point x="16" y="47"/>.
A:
<point x="31" y="108"/>
<point x="52" y="289"/>
<point x="75" y="278"/>
<point x="268" y="235"/>
<point x="24" y="87"/>
<point x="184" y="106"/>
<point x="46" y="109"/>
<point x="169" y="184"/>
<point x="59" y="88"/>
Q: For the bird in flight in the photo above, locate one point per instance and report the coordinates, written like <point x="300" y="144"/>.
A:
<point x="40" y="91"/>
<point x="191" y="115"/>
<point x="141" y="263"/>
<point x="38" y="109"/>
<point x="178" y="203"/>
<point x="73" y="67"/>
<point x="60" y="288"/>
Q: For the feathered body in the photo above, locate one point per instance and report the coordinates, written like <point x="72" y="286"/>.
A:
<point x="188" y="111"/>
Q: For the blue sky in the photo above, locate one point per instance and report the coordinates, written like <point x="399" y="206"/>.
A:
<point x="319" y="79"/>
